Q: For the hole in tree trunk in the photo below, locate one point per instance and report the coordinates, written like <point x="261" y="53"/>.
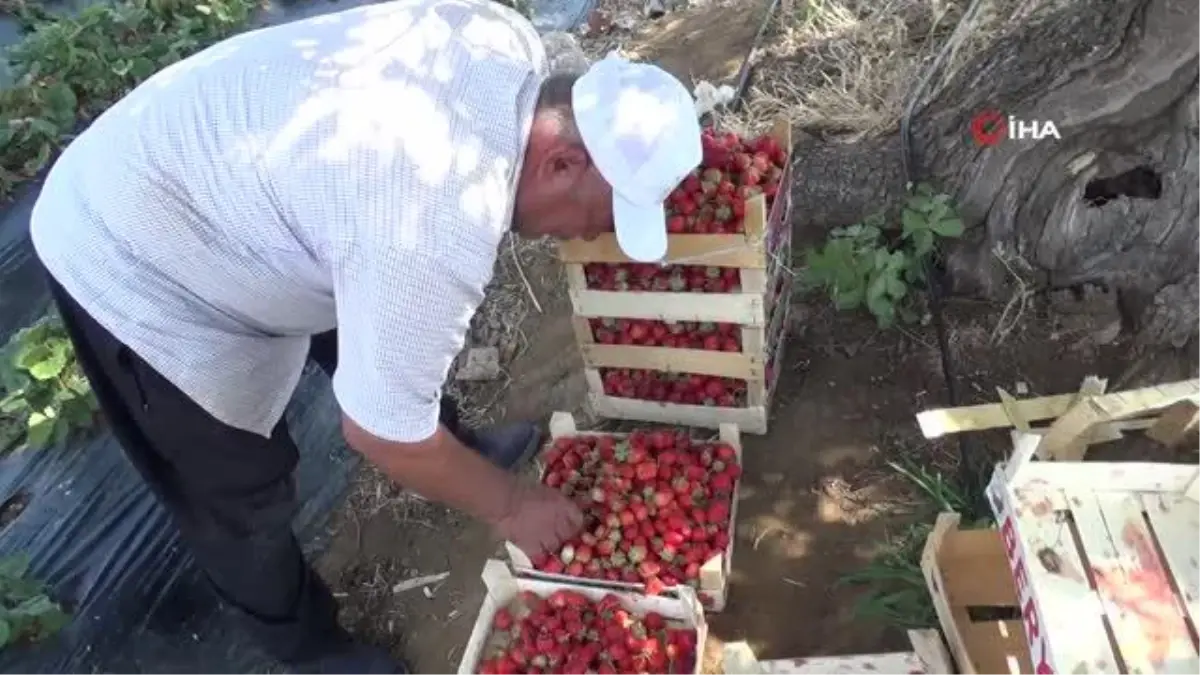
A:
<point x="1140" y="182"/>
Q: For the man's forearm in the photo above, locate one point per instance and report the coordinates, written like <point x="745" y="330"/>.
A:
<point x="441" y="469"/>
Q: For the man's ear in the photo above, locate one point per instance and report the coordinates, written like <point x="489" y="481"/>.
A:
<point x="566" y="162"/>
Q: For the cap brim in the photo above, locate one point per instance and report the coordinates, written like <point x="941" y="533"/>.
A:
<point x="641" y="230"/>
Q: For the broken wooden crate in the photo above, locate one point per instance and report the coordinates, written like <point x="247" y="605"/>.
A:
<point x="713" y="585"/>
<point x="966" y="572"/>
<point x="1103" y="555"/>
<point x="928" y="655"/>
<point x="758" y="308"/>
<point x="503" y="586"/>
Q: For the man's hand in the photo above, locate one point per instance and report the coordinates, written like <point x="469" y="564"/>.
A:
<point x="532" y="516"/>
<point x="539" y="519"/>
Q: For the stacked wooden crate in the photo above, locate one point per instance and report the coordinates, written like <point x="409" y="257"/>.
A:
<point x="740" y="289"/>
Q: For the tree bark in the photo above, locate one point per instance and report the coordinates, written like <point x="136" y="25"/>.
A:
<point x="1118" y="78"/>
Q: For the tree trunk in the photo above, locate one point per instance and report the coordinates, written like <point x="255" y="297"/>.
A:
<point x="1118" y="78"/>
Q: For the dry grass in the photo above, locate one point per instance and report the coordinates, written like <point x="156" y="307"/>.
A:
<point x="847" y="67"/>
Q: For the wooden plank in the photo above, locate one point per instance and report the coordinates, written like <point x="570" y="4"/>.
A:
<point x="1062" y="615"/>
<point x="1176" y="425"/>
<point x="937" y="423"/>
<point x="746" y="250"/>
<point x="1132" y="584"/>
<point x="930" y="650"/>
<point x="674" y="360"/>
<point x="894" y="662"/>
<point x="943" y="421"/>
<point x="935" y="582"/>
<point x="1012" y="411"/>
<point x="1108" y="477"/>
<point x="744" y="308"/>
<point x="751" y="420"/>
<point x="1175" y="522"/>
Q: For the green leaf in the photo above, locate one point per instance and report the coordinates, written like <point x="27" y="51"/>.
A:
<point x="14" y="402"/>
<point x="912" y="222"/>
<point x="896" y="287"/>
<point x="39" y="430"/>
<point x="947" y="227"/>
<point x="922" y="242"/>
<point x="14" y="566"/>
<point x="876" y="290"/>
<point x="5" y="633"/>
<point x="34" y="607"/>
<point x="31" y="354"/>
<point x="883" y="309"/>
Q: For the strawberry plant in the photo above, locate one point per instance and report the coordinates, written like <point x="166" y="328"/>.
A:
<point x="656" y="503"/>
<point x="686" y="388"/>
<point x="27" y="614"/>
<point x="567" y="632"/>
<point x="69" y="68"/>
<point x="870" y="265"/>
<point x="44" y="394"/>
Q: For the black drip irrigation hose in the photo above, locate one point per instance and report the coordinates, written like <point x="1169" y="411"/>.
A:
<point x="971" y="476"/>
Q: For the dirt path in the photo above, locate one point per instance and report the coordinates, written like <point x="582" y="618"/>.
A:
<point x="817" y="495"/>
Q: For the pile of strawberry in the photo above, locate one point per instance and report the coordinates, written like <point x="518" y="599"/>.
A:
<point x="657" y="505"/>
<point x="687" y="388"/>
<point x="567" y="632"/>
<point x="662" y="278"/>
<point x="712" y="199"/>
<point x="709" y="336"/>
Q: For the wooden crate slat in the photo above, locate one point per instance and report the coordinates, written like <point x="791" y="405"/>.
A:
<point x="1052" y="581"/>
<point x="1132" y="584"/>
<point x="742" y="365"/>
<point x="751" y="420"/>
<point x="937" y="423"/>
<point x="717" y="250"/>
<point x="1175" y="521"/>
<point x="744" y="308"/>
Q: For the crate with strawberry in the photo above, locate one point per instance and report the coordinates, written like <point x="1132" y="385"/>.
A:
<point x="687" y="342"/>
<point x="535" y="626"/>
<point x="660" y="507"/>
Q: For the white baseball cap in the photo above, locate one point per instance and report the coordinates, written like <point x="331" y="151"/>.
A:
<point x="638" y="123"/>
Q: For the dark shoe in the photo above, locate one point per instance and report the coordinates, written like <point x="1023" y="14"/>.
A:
<point x="353" y="658"/>
<point x="509" y="447"/>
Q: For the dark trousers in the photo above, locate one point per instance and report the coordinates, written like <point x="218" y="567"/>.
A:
<point x="231" y="492"/>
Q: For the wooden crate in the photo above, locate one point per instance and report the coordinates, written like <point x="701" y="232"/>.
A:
<point x="713" y="587"/>
<point x="502" y="586"/>
<point x="928" y="655"/>
<point x="966" y="572"/>
<point x="1103" y="555"/>
<point x="762" y="255"/>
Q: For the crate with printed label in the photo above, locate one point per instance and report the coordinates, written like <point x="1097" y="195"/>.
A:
<point x="694" y="340"/>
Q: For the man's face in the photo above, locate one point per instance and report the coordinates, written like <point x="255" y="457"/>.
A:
<point x="565" y="197"/>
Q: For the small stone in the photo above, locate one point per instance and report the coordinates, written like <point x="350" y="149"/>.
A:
<point x="481" y="363"/>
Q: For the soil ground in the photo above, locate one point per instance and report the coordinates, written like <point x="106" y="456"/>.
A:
<point x="818" y="498"/>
